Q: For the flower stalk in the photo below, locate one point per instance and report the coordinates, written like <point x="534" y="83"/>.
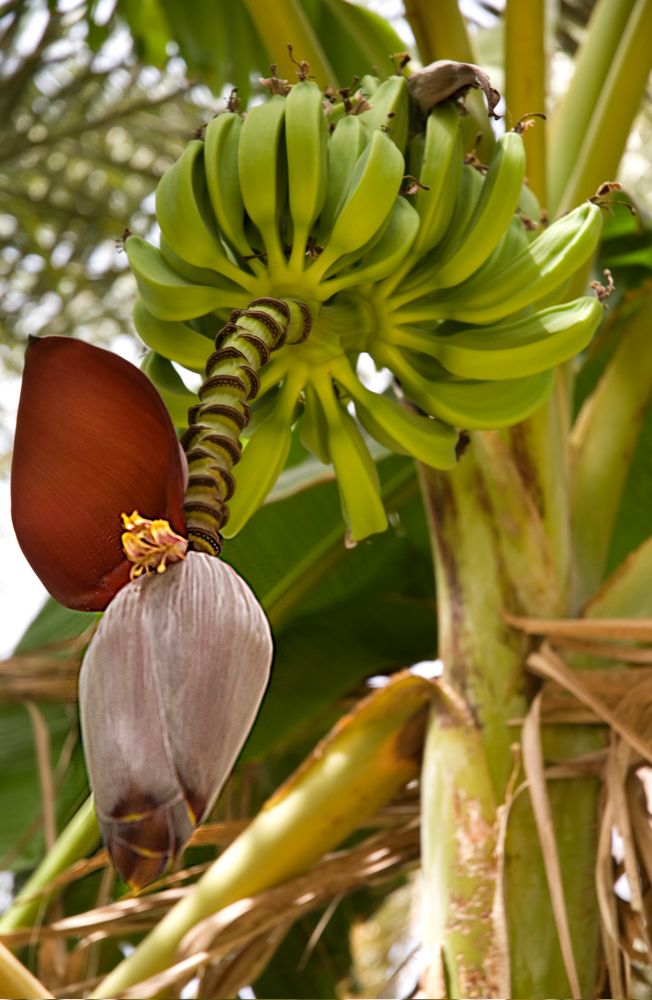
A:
<point x="212" y="441"/>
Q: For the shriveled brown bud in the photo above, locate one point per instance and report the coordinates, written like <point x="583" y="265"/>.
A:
<point x="169" y="689"/>
<point x="444" y="79"/>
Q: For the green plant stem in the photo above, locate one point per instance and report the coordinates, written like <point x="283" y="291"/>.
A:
<point x="525" y="82"/>
<point x="538" y="448"/>
<point x="464" y="932"/>
<point x="603" y="441"/>
<point x="439" y="30"/>
<point x="620" y="94"/>
<point x="477" y="513"/>
<point x="572" y="117"/>
<point x="283" y="22"/>
<point x="16" y="982"/>
<point x="80" y="836"/>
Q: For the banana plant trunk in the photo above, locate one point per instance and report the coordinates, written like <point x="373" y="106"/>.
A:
<point x="501" y="540"/>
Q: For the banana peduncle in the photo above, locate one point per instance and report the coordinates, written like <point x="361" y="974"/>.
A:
<point x="212" y="441"/>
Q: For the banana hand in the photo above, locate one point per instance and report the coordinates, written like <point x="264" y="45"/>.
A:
<point x="472" y="404"/>
<point x="512" y="349"/>
<point x="495" y="292"/>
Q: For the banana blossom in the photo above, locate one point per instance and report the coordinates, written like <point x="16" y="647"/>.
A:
<point x="173" y="678"/>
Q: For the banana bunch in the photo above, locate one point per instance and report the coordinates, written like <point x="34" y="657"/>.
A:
<point x="397" y="245"/>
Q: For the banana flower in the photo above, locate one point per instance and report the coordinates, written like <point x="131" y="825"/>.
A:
<point x="173" y="678"/>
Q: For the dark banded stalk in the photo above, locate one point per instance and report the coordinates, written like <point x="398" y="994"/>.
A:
<point x="212" y="441"/>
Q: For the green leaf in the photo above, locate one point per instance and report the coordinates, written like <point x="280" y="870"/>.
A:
<point x="633" y="520"/>
<point x="289" y="547"/>
<point x="385" y="621"/>
<point x="356" y="40"/>
<point x="54" y="624"/>
<point x="338" y="614"/>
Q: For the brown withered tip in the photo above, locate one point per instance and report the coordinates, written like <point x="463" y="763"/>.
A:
<point x="446" y="79"/>
<point x="144" y="837"/>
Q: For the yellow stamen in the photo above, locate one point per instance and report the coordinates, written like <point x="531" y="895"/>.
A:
<point x="150" y="545"/>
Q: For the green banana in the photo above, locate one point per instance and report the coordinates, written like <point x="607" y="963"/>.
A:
<point x="263" y="174"/>
<point x="357" y="476"/>
<point x="185" y="215"/>
<point x="390" y="110"/>
<point x="385" y="255"/>
<point x="221" y="143"/>
<point x="512" y="349"/>
<point x="493" y="213"/>
<point x="419" y="281"/>
<point x="471" y="404"/>
<point x="175" y="341"/>
<point x="313" y="429"/>
<point x="399" y="429"/>
<point x="365" y="205"/>
<point x="368" y="86"/>
<point x="263" y="459"/>
<point x="440" y="172"/>
<point x="414" y="154"/>
<point x="174" y="393"/>
<point x="495" y="292"/>
<point x="345" y="146"/>
<point x="169" y="296"/>
<point x="306" y="137"/>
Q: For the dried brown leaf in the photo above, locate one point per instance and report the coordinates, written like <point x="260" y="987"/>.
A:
<point x="229" y="976"/>
<point x="534" y="770"/>
<point x="606" y="651"/>
<point x="547" y="664"/>
<point x="618" y="764"/>
<point x="610" y="629"/>
<point x="640" y="822"/>
<point x="604" y="882"/>
<point x="610" y="686"/>
<point x="257" y="919"/>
